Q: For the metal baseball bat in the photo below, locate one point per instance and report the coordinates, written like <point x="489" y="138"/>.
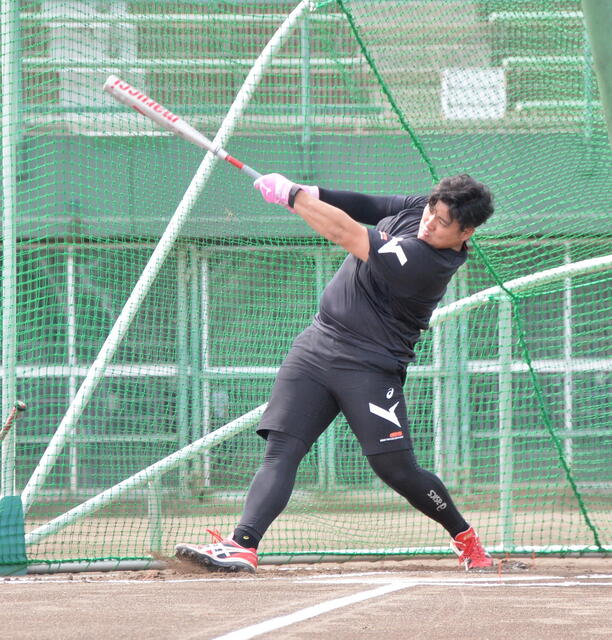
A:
<point x="6" y="427"/>
<point x="132" y="97"/>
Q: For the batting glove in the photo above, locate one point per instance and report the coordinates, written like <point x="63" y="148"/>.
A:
<point x="311" y="190"/>
<point x="276" y="189"/>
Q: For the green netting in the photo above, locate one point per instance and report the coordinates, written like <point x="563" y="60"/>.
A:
<point x="510" y="396"/>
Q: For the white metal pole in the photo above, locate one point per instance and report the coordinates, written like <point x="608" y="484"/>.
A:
<point x="72" y="358"/>
<point x="327" y="442"/>
<point x="306" y="99"/>
<point x="464" y="386"/>
<point x="524" y="283"/>
<point x="157" y="259"/>
<point x="9" y="64"/>
<point x="568" y="381"/>
<point x="322" y="444"/>
<point x="205" y="342"/>
<point x="195" y="352"/>
<point x="148" y="475"/>
<point x="587" y="93"/>
<point x="182" y="340"/>
<point x="505" y="422"/>
<point x="450" y="394"/>
<point x="437" y="347"/>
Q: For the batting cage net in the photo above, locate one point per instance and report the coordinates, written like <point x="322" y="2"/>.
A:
<point x="150" y="295"/>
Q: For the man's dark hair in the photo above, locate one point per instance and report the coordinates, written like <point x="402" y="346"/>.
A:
<point x="470" y="202"/>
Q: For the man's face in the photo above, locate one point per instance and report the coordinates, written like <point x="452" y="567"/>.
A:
<point x="438" y="229"/>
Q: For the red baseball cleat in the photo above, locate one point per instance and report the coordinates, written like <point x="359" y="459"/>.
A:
<point x="471" y="553"/>
<point x="222" y="555"/>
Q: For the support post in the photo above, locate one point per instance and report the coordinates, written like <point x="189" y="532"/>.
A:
<point x="154" y="506"/>
<point x="587" y="91"/>
<point x="464" y="386"/>
<point x="72" y="360"/>
<point x="505" y="423"/>
<point x="204" y="427"/>
<point x="568" y="378"/>
<point x="196" y="369"/>
<point x="306" y="99"/>
<point x="446" y="390"/>
<point x="327" y="443"/>
<point x="183" y="352"/>
<point x="451" y="421"/>
<point x="11" y="88"/>
<point x="438" y="401"/>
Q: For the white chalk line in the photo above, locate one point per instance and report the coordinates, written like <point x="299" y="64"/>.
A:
<point x="47" y="579"/>
<point x="460" y="579"/>
<point x="42" y="581"/>
<point x="310" y="612"/>
<point x="361" y="577"/>
<point x="491" y="582"/>
<point x="387" y="587"/>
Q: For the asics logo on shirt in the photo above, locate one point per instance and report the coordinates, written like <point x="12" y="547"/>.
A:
<point x="386" y="414"/>
<point x="393" y="247"/>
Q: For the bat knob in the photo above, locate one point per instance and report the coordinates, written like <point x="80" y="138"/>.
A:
<point x="20" y="405"/>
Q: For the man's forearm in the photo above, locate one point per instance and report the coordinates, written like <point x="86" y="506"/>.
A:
<point x="333" y="223"/>
<point x="362" y="207"/>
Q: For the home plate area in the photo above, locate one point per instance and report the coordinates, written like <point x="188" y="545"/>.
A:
<point x="415" y="598"/>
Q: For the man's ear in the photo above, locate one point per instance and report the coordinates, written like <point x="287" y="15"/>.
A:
<point x="467" y="233"/>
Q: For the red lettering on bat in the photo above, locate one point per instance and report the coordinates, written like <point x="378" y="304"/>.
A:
<point x="149" y="102"/>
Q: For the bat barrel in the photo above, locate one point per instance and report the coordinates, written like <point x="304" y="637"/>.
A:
<point x="141" y="102"/>
<point x="132" y="97"/>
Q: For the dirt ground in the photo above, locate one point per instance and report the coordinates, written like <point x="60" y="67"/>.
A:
<point x="429" y="599"/>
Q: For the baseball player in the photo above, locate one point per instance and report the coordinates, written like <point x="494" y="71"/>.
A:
<point x="402" y="253"/>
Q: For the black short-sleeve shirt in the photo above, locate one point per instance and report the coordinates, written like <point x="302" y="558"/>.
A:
<point x="383" y="304"/>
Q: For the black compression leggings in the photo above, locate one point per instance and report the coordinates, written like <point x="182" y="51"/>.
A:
<point x="423" y="489"/>
<point x="272" y="485"/>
